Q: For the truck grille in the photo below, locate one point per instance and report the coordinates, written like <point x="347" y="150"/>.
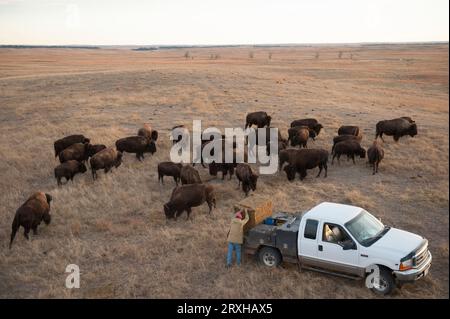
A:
<point x="421" y="255"/>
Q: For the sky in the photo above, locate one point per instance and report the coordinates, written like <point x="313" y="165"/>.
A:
<point x="211" y="22"/>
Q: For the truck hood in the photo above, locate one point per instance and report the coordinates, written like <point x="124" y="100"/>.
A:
<point x="399" y="242"/>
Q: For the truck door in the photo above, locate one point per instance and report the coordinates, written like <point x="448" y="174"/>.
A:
<point x="307" y="240"/>
<point x="334" y="252"/>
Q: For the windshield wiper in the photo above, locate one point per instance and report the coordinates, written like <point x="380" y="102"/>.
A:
<point x="369" y="241"/>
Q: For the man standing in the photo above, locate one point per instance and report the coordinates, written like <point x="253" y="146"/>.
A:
<point x="236" y="236"/>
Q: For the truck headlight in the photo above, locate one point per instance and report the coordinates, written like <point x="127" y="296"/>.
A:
<point x="407" y="264"/>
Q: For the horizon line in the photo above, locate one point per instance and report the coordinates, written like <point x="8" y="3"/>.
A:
<point x="227" y="45"/>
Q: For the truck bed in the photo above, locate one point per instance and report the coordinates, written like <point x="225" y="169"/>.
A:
<point x="282" y="235"/>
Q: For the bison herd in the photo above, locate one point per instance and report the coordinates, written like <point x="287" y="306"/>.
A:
<point x="76" y="151"/>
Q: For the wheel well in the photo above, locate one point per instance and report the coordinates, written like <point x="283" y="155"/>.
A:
<point x="264" y="246"/>
<point x="381" y="267"/>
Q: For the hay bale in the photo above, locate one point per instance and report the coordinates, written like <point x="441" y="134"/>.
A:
<point x="258" y="208"/>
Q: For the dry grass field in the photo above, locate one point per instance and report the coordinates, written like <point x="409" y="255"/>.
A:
<point x="115" y="228"/>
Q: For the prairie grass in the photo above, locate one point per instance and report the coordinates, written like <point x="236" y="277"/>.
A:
<point x="115" y="229"/>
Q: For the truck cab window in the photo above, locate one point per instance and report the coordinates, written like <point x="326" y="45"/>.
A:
<point x="311" y="229"/>
<point x="334" y="234"/>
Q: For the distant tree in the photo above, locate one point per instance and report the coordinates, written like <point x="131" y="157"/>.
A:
<point x="216" y="57"/>
<point x="317" y="55"/>
<point x="251" y="55"/>
<point x="270" y="55"/>
<point x="340" y="54"/>
<point x="187" y="55"/>
<point x="351" y="56"/>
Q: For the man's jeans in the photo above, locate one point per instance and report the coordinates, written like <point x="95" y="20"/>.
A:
<point x="237" y="248"/>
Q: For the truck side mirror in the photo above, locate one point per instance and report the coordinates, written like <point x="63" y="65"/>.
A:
<point x="348" y="245"/>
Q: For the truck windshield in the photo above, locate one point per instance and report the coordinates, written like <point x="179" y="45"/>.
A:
<point x="366" y="228"/>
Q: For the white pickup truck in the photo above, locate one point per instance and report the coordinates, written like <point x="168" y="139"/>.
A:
<point x="343" y="240"/>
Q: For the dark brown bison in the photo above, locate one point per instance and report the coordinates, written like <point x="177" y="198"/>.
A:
<point x="185" y="197"/>
<point x="298" y="135"/>
<point x="286" y="156"/>
<point x="349" y="148"/>
<point x="260" y="119"/>
<point x="348" y="130"/>
<point x="341" y="138"/>
<point x="147" y="132"/>
<point x="105" y="159"/>
<point x="136" y="144"/>
<point x="94" y="149"/>
<point x="397" y="128"/>
<point x="68" y="170"/>
<point x="30" y="215"/>
<point x="65" y="142"/>
<point x="306" y="159"/>
<point x="245" y="174"/>
<point x="226" y="168"/>
<point x="78" y="152"/>
<point x="375" y="154"/>
<point x="311" y="123"/>
<point x="169" y="169"/>
<point x="189" y="175"/>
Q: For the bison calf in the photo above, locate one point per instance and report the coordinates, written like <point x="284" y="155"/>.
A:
<point x="169" y="169"/>
<point x="147" y="132"/>
<point x="30" y="215"/>
<point x="375" y="154"/>
<point x="245" y="174"/>
<point x="68" y="170"/>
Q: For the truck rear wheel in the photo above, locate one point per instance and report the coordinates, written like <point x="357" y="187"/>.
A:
<point x="269" y="257"/>
<point x="386" y="283"/>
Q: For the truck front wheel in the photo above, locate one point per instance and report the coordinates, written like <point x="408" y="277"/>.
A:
<point x="269" y="257"/>
<point x="386" y="283"/>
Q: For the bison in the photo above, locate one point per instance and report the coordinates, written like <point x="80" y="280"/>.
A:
<point x="169" y="169"/>
<point x="30" y="215"/>
<point x="286" y="156"/>
<point x="226" y="168"/>
<point x="136" y="144"/>
<point x="105" y="159"/>
<point x="189" y="175"/>
<point x="77" y="151"/>
<point x="65" y="142"/>
<point x="307" y="159"/>
<point x="185" y="197"/>
<point x="348" y="130"/>
<point x="397" y="128"/>
<point x="346" y="137"/>
<point x="298" y="135"/>
<point x="94" y="149"/>
<point x="311" y="123"/>
<point x="147" y="132"/>
<point x="260" y="119"/>
<point x="375" y="154"/>
<point x="349" y="148"/>
<point x="68" y="170"/>
<point x="245" y="174"/>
